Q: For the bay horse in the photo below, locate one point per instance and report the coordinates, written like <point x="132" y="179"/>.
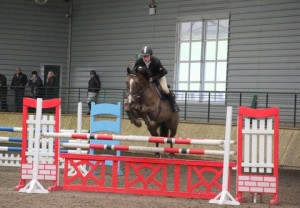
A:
<point x="143" y="101"/>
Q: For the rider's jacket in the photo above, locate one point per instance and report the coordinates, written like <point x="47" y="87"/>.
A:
<point x="156" y="68"/>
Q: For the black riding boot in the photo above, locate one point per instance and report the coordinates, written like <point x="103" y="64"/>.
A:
<point x="171" y="99"/>
<point x="89" y="104"/>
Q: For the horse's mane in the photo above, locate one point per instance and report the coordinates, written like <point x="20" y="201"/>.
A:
<point x="140" y="71"/>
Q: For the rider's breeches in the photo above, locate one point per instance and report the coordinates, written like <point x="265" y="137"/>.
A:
<point x="163" y="83"/>
<point x="91" y="97"/>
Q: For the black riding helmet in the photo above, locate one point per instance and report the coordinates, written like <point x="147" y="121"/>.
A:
<point x="146" y="50"/>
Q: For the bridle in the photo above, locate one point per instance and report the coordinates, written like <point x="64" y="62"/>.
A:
<point x="139" y="93"/>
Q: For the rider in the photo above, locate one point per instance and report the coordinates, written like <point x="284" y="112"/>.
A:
<point x="158" y="73"/>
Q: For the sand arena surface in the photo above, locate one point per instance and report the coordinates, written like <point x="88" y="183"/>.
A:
<point x="289" y="195"/>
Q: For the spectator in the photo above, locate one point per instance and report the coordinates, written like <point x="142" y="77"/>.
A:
<point x="18" y="83"/>
<point x="93" y="89"/>
<point x="3" y="92"/>
<point x="50" y="85"/>
<point x="36" y="85"/>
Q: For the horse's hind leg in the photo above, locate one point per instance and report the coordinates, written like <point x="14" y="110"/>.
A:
<point x="157" y="154"/>
<point x="153" y="132"/>
<point x="164" y="132"/>
<point x="172" y="135"/>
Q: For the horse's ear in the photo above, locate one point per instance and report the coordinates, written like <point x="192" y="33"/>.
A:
<point x="143" y="70"/>
<point x="136" y="69"/>
<point x="128" y="70"/>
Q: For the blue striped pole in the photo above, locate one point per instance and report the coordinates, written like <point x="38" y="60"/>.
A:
<point x="11" y="149"/>
<point x="10" y="139"/>
<point x="19" y="129"/>
<point x="12" y="129"/>
<point x="19" y="149"/>
<point x="19" y="139"/>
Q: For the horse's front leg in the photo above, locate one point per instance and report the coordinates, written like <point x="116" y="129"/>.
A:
<point x="148" y="121"/>
<point x="131" y="116"/>
<point x="148" y="113"/>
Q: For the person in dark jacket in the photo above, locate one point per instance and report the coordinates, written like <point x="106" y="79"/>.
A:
<point x="18" y="84"/>
<point x="3" y="92"/>
<point x="93" y="88"/>
<point x="36" y="85"/>
<point x="50" y="85"/>
<point x="157" y="72"/>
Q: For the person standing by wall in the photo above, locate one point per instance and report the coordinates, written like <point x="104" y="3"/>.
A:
<point x="3" y="92"/>
<point x="93" y="88"/>
<point x="50" y="85"/>
<point x="36" y="85"/>
<point x="18" y="84"/>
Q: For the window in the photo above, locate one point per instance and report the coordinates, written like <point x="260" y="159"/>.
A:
<point x="202" y="59"/>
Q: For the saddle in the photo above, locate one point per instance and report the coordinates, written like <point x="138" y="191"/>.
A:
<point x="160" y="92"/>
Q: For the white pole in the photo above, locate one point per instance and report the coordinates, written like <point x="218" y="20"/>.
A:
<point x="34" y="185"/>
<point x="79" y="117"/>
<point x="79" y="130"/>
<point x="227" y="148"/>
<point x="79" y="123"/>
<point x="224" y="197"/>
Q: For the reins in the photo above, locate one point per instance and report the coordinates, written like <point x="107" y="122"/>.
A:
<point x="140" y="92"/>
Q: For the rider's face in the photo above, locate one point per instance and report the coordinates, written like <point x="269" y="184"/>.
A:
<point x="146" y="58"/>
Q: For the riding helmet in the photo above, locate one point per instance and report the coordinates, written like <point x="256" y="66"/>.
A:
<point x="146" y="50"/>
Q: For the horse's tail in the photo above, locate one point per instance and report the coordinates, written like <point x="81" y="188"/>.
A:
<point x="164" y="131"/>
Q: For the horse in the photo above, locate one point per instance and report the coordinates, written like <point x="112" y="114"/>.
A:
<point x="143" y="101"/>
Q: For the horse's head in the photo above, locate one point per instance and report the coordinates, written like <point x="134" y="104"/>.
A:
<point x="136" y="82"/>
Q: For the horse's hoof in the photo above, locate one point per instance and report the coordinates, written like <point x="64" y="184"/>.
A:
<point x="157" y="155"/>
<point x="137" y="123"/>
<point x="171" y="156"/>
